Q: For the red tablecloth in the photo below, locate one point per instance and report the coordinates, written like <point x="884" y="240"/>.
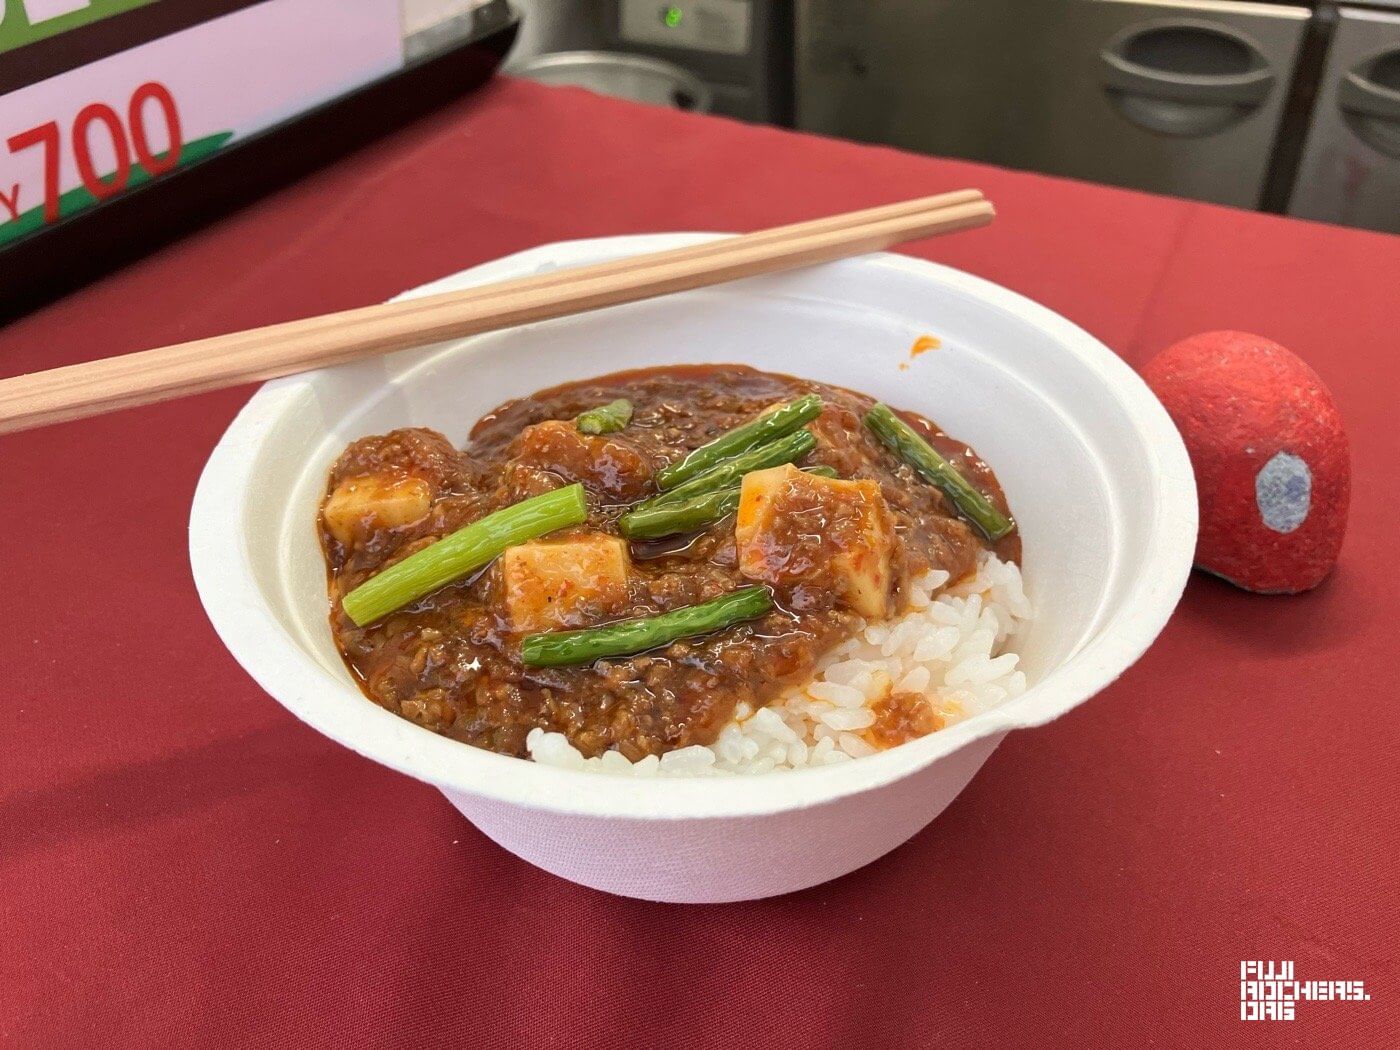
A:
<point x="184" y="864"/>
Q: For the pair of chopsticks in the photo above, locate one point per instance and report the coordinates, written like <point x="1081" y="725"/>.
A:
<point x="106" y="385"/>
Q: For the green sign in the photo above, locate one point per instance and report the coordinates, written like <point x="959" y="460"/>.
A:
<point x="29" y="20"/>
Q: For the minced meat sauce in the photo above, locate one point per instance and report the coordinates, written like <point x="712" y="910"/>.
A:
<point x="451" y="662"/>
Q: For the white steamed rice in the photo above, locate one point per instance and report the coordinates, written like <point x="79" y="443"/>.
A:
<point x="949" y="646"/>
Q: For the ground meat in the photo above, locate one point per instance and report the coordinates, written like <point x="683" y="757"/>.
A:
<point x="901" y="717"/>
<point x="611" y="467"/>
<point x="450" y="662"/>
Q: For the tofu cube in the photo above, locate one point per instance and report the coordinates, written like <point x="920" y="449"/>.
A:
<point x="362" y="504"/>
<point x="571" y="582"/>
<point x="795" y="528"/>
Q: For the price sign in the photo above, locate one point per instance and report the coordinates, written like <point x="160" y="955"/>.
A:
<point x="75" y="140"/>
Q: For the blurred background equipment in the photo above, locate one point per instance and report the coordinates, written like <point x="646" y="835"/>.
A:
<point x="1289" y="108"/>
<point x="1350" y="165"/>
<point x="637" y="77"/>
<point x="1284" y="107"/>
<point x="1176" y="98"/>
<point x="741" y="50"/>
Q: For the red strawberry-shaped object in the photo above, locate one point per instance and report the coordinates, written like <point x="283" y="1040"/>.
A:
<point x="1272" y="461"/>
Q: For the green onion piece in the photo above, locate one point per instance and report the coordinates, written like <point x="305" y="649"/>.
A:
<point x="770" y="426"/>
<point x="732" y="471"/>
<point x="667" y="519"/>
<point x="901" y="439"/>
<point x="606" y="419"/>
<point x="627" y="637"/>
<point x="464" y="551"/>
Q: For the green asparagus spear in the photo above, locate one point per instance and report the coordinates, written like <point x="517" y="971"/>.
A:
<point x="770" y="426"/>
<point x="626" y="637"/>
<point x="900" y="438"/>
<point x="606" y="419"/>
<point x="463" y="551"/>
<point x="667" y="519"/>
<point x="731" y="471"/>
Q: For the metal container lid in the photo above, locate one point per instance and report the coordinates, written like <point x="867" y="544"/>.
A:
<point x="633" y="77"/>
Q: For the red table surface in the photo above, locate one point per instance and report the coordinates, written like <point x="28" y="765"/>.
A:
<point x="184" y="863"/>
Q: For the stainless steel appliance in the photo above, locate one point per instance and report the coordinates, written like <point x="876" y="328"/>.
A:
<point x="1177" y="97"/>
<point x="640" y="78"/>
<point x="741" y="49"/>
<point x="1350" y="166"/>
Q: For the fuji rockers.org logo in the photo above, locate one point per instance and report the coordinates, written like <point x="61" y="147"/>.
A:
<point x="1270" y="992"/>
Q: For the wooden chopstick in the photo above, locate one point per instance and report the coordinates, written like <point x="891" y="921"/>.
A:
<point x="827" y="223"/>
<point x="636" y="264"/>
<point x="105" y="385"/>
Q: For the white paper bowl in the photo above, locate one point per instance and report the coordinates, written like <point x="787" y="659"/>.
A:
<point x="1093" y="467"/>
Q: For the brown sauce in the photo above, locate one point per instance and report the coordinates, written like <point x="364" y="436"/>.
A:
<point x="901" y="717"/>
<point x="450" y="662"/>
